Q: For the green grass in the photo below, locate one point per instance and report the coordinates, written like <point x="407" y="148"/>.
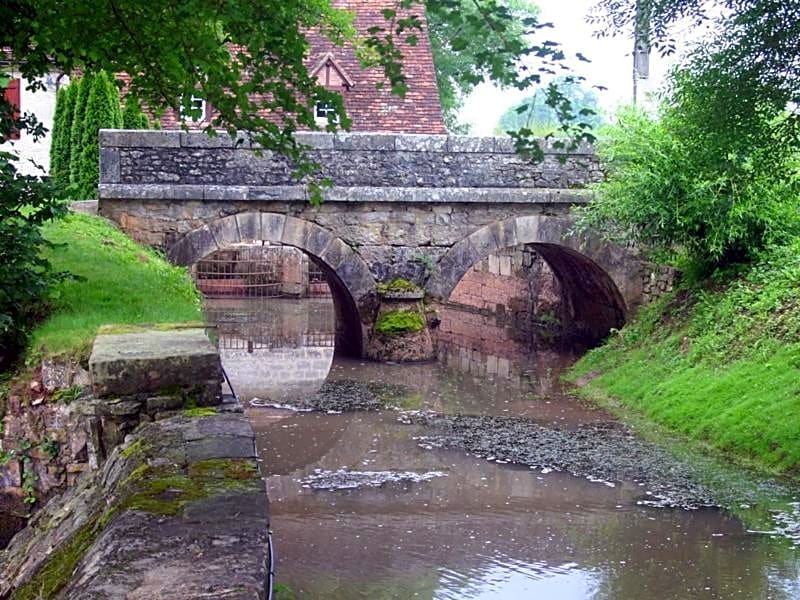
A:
<point x="720" y="364"/>
<point x="122" y="283"/>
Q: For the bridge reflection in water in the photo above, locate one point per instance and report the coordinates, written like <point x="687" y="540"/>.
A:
<point x="277" y="348"/>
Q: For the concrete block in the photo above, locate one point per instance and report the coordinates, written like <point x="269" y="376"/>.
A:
<point x="147" y="362"/>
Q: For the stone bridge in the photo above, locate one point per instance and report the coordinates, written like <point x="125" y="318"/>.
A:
<point x="421" y="207"/>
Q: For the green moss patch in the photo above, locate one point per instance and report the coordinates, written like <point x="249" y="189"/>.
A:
<point x="56" y="572"/>
<point x="200" y="412"/>
<point x="397" y="285"/>
<point x="399" y="322"/>
<point x="166" y="490"/>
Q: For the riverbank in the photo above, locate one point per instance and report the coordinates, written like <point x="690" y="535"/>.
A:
<point x="116" y="281"/>
<point x="718" y="363"/>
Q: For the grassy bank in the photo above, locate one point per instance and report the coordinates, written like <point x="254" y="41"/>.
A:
<point x="718" y="362"/>
<point x="119" y="282"/>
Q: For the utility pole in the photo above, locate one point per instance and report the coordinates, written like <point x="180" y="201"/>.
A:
<point x="641" y="45"/>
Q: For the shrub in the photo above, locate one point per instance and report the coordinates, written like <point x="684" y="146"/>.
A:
<point x="25" y="203"/>
<point x="678" y="188"/>
<point x="62" y="127"/>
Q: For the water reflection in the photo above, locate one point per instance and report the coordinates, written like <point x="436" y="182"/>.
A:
<point x="275" y="349"/>
<point x="484" y="531"/>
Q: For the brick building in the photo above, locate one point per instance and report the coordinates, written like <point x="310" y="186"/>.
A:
<point x="338" y="69"/>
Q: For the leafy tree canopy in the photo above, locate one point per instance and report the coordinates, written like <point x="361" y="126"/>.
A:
<point x="460" y="55"/>
<point x="535" y="114"/>
<point x="716" y="176"/>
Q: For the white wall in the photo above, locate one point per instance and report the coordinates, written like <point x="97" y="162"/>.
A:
<point x="41" y="103"/>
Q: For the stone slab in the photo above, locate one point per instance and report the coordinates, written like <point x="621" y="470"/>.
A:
<point x="149" y="362"/>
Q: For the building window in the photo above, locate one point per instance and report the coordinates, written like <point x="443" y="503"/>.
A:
<point x="322" y="110"/>
<point x="12" y="96"/>
<point x="198" y="104"/>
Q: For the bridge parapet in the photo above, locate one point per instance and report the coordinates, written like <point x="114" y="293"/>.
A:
<point x="176" y="165"/>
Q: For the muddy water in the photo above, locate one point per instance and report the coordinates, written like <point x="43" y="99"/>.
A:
<point x="472" y="528"/>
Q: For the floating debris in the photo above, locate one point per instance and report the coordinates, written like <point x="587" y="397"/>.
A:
<point x="344" y="479"/>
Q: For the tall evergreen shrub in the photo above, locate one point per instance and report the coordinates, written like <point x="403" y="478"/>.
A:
<point x="76" y="129"/>
<point x="60" y="141"/>
<point x="102" y="112"/>
<point x="56" y="135"/>
<point x="132" y="115"/>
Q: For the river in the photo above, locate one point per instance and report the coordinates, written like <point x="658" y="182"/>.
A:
<point x="363" y="505"/>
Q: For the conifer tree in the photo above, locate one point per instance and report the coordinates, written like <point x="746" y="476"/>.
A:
<point x="57" y="135"/>
<point x="65" y="138"/>
<point x="102" y="112"/>
<point x="76" y="129"/>
<point x="132" y="116"/>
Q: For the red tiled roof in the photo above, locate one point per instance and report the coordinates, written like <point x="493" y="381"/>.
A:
<point x="370" y="108"/>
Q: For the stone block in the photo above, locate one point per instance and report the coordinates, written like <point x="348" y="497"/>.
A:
<point x="364" y="141"/>
<point x="272" y="227"/>
<point x="249" y="226"/>
<point x="315" y="140"/>
<point x="225" y="192"/>
<point x="109" y="165"/>
<point x="220" y="447"/>
<point x="193" y="246"/>
<point x="295" y="232"/>
<point x="470" y="143"/>
<point x="161" y="403"/>
<point x="504" y="145"/>
<point x="225" y="231"/>
<point x="527" y="229"/>
<point x="421" y="143"/>
<point x="119" y="408"/>
<point x="200" y="139"/>
<point x="335" y="253"/>
<point x="140" y="363"/>
<point x="127" y="138"/>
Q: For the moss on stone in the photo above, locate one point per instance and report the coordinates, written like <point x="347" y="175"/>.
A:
<point x="199" y="412"/>
<point x="145" y="327"/>
<point x="167" y="489"/>
<point x="397" y="285"/>
<point x="135" y="448"/>
<point x="55" y="573"/>
<point x="399" y="322"/>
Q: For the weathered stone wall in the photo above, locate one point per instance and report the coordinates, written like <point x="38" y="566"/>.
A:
<point x="179" y="511"/>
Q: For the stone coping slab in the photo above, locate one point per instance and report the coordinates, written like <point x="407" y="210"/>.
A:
<point x="299" y="193"/>
<point x="148" y="362"/>
<point x="385" y="142"/>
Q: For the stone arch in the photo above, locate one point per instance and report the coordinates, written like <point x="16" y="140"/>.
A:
<point x="349" y="277"/>
<point x="591" y="272"/>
